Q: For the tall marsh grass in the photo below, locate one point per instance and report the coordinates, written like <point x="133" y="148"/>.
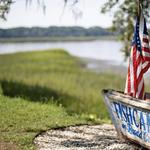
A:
<point x="46" y="75"/>
<point x="48" y="89"/>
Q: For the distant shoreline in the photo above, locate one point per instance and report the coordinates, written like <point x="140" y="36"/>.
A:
<point x="109" y="66"/>
<point x="56" y="39"/>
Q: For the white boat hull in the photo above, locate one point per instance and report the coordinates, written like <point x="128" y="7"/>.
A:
<point x="130" y="116"/>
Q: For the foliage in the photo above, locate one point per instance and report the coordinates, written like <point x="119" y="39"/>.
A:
<point x="46" y="73"/>
<point x="4" y="8"/>
<point x="5" y="5"/>
<point x="125" y="12"/>
<point x="22" y="120"/>
<point x="49" y="89"/>
<point x="53" y="31"/>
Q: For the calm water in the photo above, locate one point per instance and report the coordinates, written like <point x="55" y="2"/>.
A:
<point x="101" y="50"/>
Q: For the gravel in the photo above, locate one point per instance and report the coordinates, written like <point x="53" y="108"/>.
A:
<point x="85" y="137"/>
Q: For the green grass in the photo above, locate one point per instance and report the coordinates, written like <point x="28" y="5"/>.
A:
<point x="21" y="120"/>
<point x="48" y="89"/>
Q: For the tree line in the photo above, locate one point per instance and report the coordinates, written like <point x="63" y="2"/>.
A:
<point x="124" y="13"/>
<point x="54" y="31"/>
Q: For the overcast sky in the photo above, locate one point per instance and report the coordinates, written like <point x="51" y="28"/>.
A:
<point x="88" y="10"/>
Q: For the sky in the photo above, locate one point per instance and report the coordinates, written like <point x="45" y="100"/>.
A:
<point x="88" y="12"/>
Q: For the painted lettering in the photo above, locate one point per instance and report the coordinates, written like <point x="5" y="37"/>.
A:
<point x="134" y="121"/>
<point x="129" y="116"/>
<point x="148" y="122"/>
<point x="135" y="115"/>
<point x="124" y="112"/>
<point x="117" y="110"/>
<point x="142" y="123"/>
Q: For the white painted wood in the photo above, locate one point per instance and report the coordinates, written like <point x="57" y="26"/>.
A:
<point x="131" y="117"/>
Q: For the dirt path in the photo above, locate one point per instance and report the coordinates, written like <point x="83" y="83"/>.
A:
<point x="98" y="137"/>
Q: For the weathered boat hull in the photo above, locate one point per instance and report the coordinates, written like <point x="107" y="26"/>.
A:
<point x="130" y="116"/>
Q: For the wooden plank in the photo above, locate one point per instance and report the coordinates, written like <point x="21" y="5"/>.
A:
<point x="116" y="96"/>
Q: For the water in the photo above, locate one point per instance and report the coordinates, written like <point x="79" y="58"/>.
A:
<point x="100" y="49"/>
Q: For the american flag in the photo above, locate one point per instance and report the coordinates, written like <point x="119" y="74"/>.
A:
<point x="139" y="61"/>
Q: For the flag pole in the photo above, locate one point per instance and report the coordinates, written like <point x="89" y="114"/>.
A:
<point x="139" y="8"/>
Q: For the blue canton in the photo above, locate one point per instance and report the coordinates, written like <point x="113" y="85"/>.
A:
<point x="136" y="38"/>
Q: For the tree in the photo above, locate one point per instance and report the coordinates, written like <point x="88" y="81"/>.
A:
<point x="5" y="5"/>
<point x="4" y="8"/>
<point x="125" y="12"/>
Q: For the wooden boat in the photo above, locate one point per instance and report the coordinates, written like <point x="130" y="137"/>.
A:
<point x="130" y="116"/>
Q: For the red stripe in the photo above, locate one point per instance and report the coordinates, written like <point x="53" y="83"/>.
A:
<point x="141" y="96"/>
<point x="145" y="58"/>
<point x="139" y="59"/>
<point x="146" y="68"/>
<point x="145" y="49"/>
<point x="139" y="78"/>
<point x="134" y="69"/>
<point x="145" y="40"/>
<point x="129" y="81"/>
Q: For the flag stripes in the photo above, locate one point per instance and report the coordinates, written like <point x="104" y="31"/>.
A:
<point x="139" y="61"/>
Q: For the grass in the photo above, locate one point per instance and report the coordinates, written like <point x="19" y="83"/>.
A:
<point x="48" y="89"/>
<point x="21" y="120"/>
